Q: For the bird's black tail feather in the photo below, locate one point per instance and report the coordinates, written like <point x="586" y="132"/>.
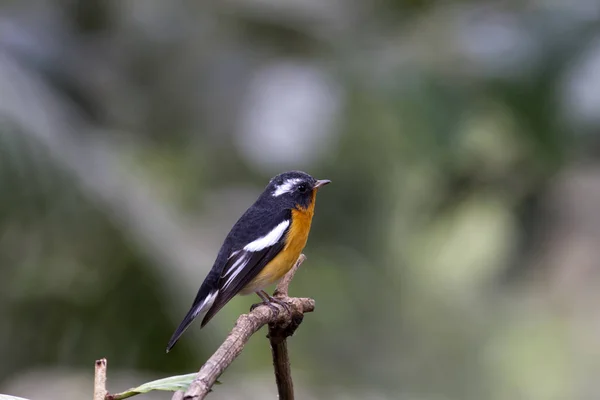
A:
<point x="204" y="299"/>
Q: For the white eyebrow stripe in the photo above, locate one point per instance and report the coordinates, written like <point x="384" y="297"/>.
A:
<point x="269" y="239"/>
<point x="286" y="186"/>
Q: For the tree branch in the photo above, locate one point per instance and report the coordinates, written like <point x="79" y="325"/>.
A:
<point x="100" y="380"/>
<point x="281" y="325"/>
<point x="281" y="364"/>
<point x="284" y="284"/>
<point x="178" y="395"/>
<point x="278" y="338"/>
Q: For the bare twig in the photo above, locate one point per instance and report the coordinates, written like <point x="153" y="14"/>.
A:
<point x="281" y="364"/>
<point x="178" y="395"/>
<point x="278" y="338"/>
<point x="281" y="325"/>
<point x="284" y="284"/>
<point x="100" y="380"/>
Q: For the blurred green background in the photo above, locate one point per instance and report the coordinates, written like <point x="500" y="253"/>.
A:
<point x="455" y="255"/>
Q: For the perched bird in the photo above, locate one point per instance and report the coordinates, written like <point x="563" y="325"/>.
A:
<point x="261" y="248"/>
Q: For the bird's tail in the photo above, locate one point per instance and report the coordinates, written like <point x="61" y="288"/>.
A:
<point x="204" y="299"/>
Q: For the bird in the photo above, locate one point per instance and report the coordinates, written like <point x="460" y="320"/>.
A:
<point x="260" y="249"/>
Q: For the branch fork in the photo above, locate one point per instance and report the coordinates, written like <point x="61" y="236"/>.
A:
<point x="282" y="324"/>
<point x="282" y="319"/>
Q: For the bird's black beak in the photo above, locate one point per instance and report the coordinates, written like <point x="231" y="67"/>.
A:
<point x="321" y="182"/>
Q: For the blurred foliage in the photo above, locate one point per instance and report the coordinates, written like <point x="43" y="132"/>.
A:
<point x="134" y="133"/>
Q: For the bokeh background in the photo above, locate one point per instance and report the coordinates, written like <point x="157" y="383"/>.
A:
<point x="455" y="255"/>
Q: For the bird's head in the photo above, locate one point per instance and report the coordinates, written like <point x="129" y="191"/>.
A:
<point x="293" y="189"/>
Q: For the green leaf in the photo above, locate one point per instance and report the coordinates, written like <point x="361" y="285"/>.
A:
<point x="171" y="384"/>
<point x="7" y="397"/>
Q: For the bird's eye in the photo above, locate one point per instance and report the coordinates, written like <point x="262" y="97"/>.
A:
<point x="302" y="188"/>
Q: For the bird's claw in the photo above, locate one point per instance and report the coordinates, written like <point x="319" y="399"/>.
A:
<point x="282" y="303"/>
<point x="270" y="301"/>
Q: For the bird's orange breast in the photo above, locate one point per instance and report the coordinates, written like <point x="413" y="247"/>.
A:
<point x="284" y="261"/>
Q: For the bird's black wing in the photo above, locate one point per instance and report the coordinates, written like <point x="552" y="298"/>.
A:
<point x="259" y="237"/>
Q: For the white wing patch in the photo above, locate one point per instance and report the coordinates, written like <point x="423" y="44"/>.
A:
<point x="259" y="244"/>
<point x="235" y="253"/>
<point x="269" y="239"/>
<point x="206" y="303"/>
<point x="235" y="269"/>
<point x="286" y="186"/>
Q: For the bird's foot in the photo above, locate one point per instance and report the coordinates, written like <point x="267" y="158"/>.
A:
<point x="265" y="303"/>
<point x="282" y="303"/>
<point x="270" y="301"/>
<point x="266" y="297"/>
